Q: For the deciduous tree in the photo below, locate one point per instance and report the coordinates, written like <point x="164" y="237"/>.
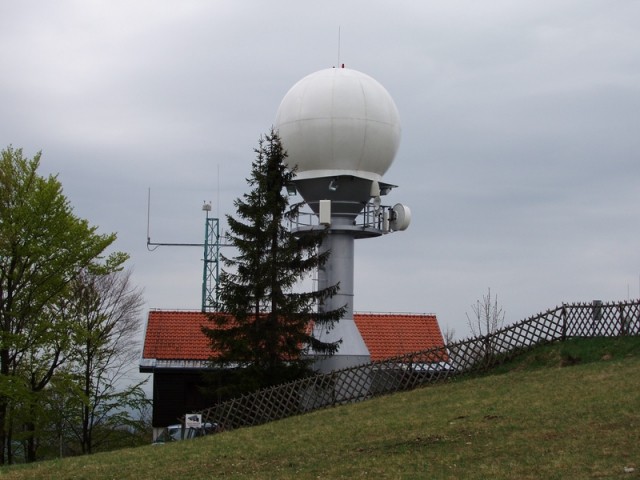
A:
<point x="104" y="310"/>
<point x="487" y="318"/>
<point x="43" y="247"/>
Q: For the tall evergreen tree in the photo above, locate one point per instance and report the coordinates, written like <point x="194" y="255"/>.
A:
<point x="264" y="326"/>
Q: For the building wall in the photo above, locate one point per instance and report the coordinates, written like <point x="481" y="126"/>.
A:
<point x="176" y="393"/>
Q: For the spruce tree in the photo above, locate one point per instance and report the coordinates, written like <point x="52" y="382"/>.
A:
<point x="263" y="326"/>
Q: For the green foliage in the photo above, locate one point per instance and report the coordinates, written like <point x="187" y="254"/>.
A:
<point x="263" y="326"/>
<point x="43" y="248"/>
<point x="42" y="243"/>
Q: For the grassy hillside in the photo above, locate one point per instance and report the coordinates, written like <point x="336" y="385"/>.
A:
<point x="560" y="412"/>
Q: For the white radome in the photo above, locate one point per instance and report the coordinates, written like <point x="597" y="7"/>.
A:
<point x="339" y="121"/>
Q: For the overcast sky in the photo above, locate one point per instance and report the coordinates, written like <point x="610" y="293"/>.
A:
<point x="520" y="142"/>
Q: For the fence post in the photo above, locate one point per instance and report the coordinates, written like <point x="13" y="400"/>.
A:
<point x="564" y="322"/>
<point x="596" y="317"/>
<point x="623" y="321"/>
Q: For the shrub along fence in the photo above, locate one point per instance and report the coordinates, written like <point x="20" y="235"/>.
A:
<point x="409" y="371"/>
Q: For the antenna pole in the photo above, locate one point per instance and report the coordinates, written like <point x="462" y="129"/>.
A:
<point x="338" y="46"/>
<point x="149" y="244"/>
<point x="148" y="213"/>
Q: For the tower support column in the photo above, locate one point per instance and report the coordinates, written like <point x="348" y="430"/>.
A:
<point x="339" y="270"/>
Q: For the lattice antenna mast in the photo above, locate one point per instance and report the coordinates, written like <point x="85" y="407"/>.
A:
<point x="211" y="268"/>
<point x="211" y="245"/>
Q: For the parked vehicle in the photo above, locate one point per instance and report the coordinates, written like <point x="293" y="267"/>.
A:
<point x="177" y="432"/>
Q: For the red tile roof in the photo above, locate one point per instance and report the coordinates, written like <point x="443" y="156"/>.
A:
<point x="177" y="335"/>
<point x="391" y="334"/>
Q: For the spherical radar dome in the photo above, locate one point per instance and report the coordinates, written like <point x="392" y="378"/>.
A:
<point x="339" y="122"/>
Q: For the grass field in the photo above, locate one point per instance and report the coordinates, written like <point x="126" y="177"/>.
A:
<point x="569" y="411"/>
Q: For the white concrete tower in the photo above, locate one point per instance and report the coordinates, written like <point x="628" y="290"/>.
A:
<point x="341" y="131"/>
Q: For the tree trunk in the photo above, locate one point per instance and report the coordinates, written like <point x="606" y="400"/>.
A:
<point x="31" y="442"/>
<point x="86" y="431"/>
<point x="3" y="433"/>
<point x="5" y="454"/>
<point x="86" y="411"/>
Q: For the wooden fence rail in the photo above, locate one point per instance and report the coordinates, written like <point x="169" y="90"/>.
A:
<point x="409" y="371"/>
